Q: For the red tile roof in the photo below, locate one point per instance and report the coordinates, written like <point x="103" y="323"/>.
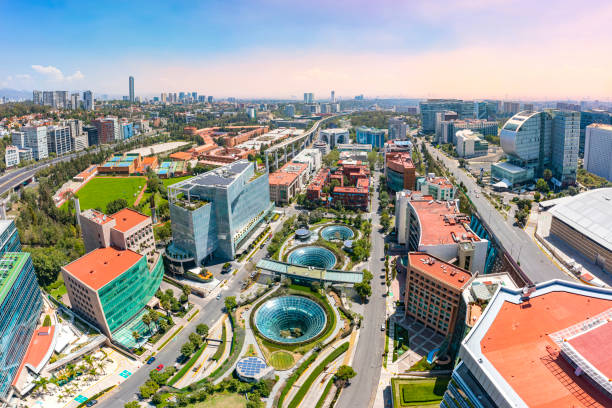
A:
<point x="439" y="270"/>
<point x="102" y="265"/>
<point x="127" y="219"/>
<point x="518" y="345"/>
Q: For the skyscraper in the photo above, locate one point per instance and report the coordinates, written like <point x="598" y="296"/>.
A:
<point x="74" y="101"/>
<point x="308" y="97"/>
<point x="88" y="101"/>
<point x="333" y="97"/>
<point x="429" y="108"/>
<point x="37" y="98"/>
<point x="397" y="129"/>
<point x="132" y="89"/>
<point x="210" y="99"/>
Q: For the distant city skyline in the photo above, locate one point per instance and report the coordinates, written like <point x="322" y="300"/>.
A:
<point x="520" y="50"/>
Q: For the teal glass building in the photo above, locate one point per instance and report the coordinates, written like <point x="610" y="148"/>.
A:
<point x="213" y="213"/>
<point x="370" y="136"/>
<point x="20" y="308"/>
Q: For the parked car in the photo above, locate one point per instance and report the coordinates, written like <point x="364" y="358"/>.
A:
<point x="151" y="360"/>
<point x="91" y="403"/>
<point x="382" y="327"/>
<point x="159" y="367"/>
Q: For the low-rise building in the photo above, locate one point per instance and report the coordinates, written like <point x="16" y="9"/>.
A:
<point x="334" y="136"/>
<point x="125" y="164"/>
<point x="440" y="188"/>
<point x="400" y="171"/>
<point x="126" y="229"/>
<point x="314" y="192"/>
<point x="11" y="156"/>
<point x="471" y="144"/>
<point x="312" y="157"/>
<point x="287" y="182"/>
<point x="447" y="129"/>
<point x="424" y="224"/>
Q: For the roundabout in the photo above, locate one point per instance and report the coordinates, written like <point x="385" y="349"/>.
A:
<point x="290" y="319"/>
<point x="316" y="256"/>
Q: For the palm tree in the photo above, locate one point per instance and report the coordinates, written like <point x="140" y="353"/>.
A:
<point x="154" y="317"/>
<point x="146" y="319"/>
<point x="88" y="358"/>
<point x="41" y="382"/>
<point x="136" y="336"/>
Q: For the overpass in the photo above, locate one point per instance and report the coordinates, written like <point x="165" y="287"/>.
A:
<point x="309" y="273"/>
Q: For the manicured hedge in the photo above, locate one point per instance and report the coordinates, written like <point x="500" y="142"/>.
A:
<point x="321" y="400"/>
<point x="187" y="366"/>
<point x="293" y="378"/>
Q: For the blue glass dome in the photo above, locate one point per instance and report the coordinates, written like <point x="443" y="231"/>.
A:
<point x="339" y="232"/>
<point x="316" y="256"/>
<point x="290" y="319"/>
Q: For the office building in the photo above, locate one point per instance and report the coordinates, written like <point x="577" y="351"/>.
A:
<point x="446" y="131"/>
<point x="74" y="101"/>
<point x="429" y="108"/>
<point x="471" y="144"/>
<point x="210" y="99"/>
<point x="92" y="135"/>
<point x="108" y="129"/>
<point x="440" y="188"/>
<point x="433" y="291"/>
<point x="314" y="192"/>
<point x="308" y="97"/>
<point x="33" y="138"/>
<point x="584" y="222"/>
<point x="527" y="140"/>
<point x="59" y="140"/>
<point x="110" y="287"/>
<point x="126" y="229"/>
<point x="528" y="107"/>
<point x="590" y="117"/>
<point x="397" y="129"/>
<point x="290" y="110"/>
<point x="131" y="84"/>
<point x="371" y="136"/>
<point x="88" y="101"/>
<point x="424" y="224"/>
<point x="400" y="171"/>
<point x="332" y="99"/>
<point x="511" y="108"/>
<point x="334" y="136"/>
<point x="127" y="130"/>
<point x="355" y="195"/>
<point x="441" y="118"/>
<point x="20" y="307"/>
<point x="214" y="212"/>
<point x="598" y="150"/>
<point x="287" y="182"/>
<point x="9" y="237"/>
<point x="542" y="346"/>
<point x="37" y="97"/>
<point x="11" y="156"/>
<point x="311" y="157"/>
<point x="568" y="106"/>
<point x="251" y="113"/>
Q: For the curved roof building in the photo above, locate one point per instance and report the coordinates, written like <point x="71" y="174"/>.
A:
<point x="524" y="134"/>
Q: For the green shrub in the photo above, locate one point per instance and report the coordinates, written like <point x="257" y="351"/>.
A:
<point x="293" y="378"/>
<point x="47" y="321"/>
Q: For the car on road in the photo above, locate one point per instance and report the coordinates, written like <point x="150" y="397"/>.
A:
<point x="91" y="403"/>
<point x="159" y="367"/>
<point x="151" y="360"/>
<point x="382" y="327"/>
<point x="218" y="296"/>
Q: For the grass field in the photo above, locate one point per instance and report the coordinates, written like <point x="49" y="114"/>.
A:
<point x="281" y="360"/>
<point x="174" y="180"/>
<point x="102" y="190"/>
<point x="419" y="393"/>
<point x="221" y="401"/>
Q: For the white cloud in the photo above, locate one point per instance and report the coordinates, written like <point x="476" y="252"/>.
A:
<point x="56" y="74"/>
<point x="23" y="76"/>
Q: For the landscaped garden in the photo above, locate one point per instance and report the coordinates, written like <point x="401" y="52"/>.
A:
<point x="418" y="393"/>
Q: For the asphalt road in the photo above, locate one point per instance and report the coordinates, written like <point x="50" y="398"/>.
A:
<point x="368" y="354"/>
<point x="517" y="243"/>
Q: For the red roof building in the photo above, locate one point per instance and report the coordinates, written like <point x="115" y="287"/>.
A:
<point x="400" y="171"/>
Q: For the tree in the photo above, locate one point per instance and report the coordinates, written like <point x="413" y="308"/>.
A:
<point x="154" y="317"/>
<point x="547" y="174"/>
<point x="187" y="349"/>
<point x="146" y="319"/>
<point x="537" y="196"/>
<point x="542" y="186"/>
<point x="132" y="404"/>
<point x="343" y="375"/>
<point x="116" y="205"/>
<point x="364" y="290"/>
<point x="230" y="303"/>
<point x="367" y="276"/>
<point x="196" y="339"/>
<point x="202" y="329"/>
<point x="186" y="290"/>
<point x="136" y="336"/>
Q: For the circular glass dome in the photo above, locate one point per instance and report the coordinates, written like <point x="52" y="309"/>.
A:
<point x="316" y="256"/>
<point x="339" y="232"/>
<point x="290" y="319"/>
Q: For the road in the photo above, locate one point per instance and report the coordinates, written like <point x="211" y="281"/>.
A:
<point x="367" y="361"/>
<point x="516" y="242"/>
<point x="209" y="314"/>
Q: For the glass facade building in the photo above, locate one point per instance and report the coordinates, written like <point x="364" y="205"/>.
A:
<point x="370" y="136"/>
<point x="214" y="212"/>
<point x="588" y="118"/>
<point x="20" y="308"/>
<point x="429" y="108"/>
<point x="9" y="237"/>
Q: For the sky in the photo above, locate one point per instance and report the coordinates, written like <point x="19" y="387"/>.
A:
<point x="536" y="49"/>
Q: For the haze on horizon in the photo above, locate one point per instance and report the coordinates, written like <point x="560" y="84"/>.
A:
<point x="272" y="48"/>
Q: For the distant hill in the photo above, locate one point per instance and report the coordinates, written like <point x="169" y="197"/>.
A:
<point x="15" y="94"/>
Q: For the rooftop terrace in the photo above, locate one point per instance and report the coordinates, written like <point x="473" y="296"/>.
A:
<point x="11" y="264"/>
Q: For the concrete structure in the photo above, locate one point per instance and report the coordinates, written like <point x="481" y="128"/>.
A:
<point x="214" y="212"/>
<point x="88" y="101"/>
<point x="92" y="135"/>
<point x="126" y="229"/>
<point x="542" y="346"/>
<point x="588" y="117"/>
<point x="371" y="136"/>
<point x="433" y="291"/>
<point x="438" y="228"/>
<point x="598" y="150"/>
<point x="354" y="151"/>
<point x="397" y="128"/>
<point x="20" y="307"/>
<point x="287" y="182"/>
<point x="11" y="156"/>
<point x="440" y="188"/>
<point x="536" y="141"/>
<point x="312" y="157"/>
<point x="314" y="192"/>
<point x="400" y="171"/>
<point x="33" y="138"/>
<point x="584" y="221"/>
<point x="446" y="131"/>
<point x="470" y="144"/>
<point x="334" y="136"/>
<point x="357" y="194"/>
<point x="441" y="119"/>
<point x="308" y="97"/>
<point x="106" y="129"/>
<point x="429" y="108"/>
<point x="131" y="90"/>
<point x="59" y="140"/>
<point x="108" y="287"/>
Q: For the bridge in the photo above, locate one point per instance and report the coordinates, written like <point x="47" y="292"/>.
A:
<point x="309" y="273"/>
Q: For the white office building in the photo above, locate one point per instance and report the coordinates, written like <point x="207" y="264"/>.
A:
<point x="598" y="150"/>
<point x="34" y="138"/>
<point x="88" y="101"/>
<point x="312" y="157"/>
<point x="11" y="156"/>
<point x="397" y="129"/>
<point x="59" y="140"/>
<point x="333" y="137"/>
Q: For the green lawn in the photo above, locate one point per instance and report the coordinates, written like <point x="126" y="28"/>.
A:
<point x="170" y="181"/>
<point x="419" y="393"/>
<point x="221" y="401"/>
<point x="281" y="360"/>
<point x="57" y="289"/>
<point x="101" y="190"/>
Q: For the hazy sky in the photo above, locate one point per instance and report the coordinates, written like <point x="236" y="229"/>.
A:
<point x="536" y="49"/>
